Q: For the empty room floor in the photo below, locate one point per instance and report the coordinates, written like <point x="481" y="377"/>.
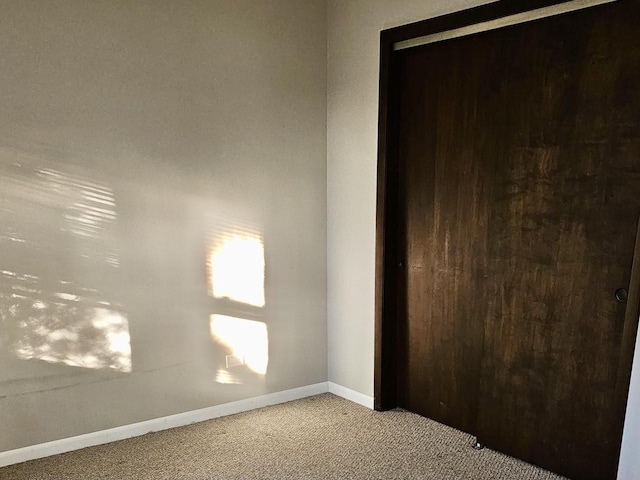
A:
<point x="321" y="437"/>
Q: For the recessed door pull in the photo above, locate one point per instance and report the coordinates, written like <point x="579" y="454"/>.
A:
<point x="622" y="295"/>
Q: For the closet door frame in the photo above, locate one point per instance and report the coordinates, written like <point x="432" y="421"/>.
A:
<point x="389" y="271"/>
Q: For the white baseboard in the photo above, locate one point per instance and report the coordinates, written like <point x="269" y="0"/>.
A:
<point x="352" y="395"/>
<point x="136" y="429"/>
<point x="157" y="424"/>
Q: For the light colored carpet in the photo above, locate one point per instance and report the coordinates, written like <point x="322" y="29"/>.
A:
<point x="322" y="437"/>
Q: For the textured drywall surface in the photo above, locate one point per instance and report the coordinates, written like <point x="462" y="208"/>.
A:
<point x="149" y="149"/>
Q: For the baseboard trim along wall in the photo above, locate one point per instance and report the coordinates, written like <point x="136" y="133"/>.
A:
<point x="64" y="445"/>
<point x="352" y="395"/>
<point x="157" y="424"/>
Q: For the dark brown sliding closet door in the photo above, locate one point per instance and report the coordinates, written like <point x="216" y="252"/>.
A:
<point x="446" y="166"/>
<point x="519" y="168"/>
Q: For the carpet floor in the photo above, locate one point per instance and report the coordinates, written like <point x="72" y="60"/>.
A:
<point x="321" y="437"/>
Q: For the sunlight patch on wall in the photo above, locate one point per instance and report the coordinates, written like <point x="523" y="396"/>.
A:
<point x="90" y="206"/>
<point x="101" y="342"/>
<point x="59" y="266"/>
<point x="73" y="329"/>
<point x="236" y="266"/>
<point x="246" y="339"/>
<point x="226" y="377"/>
<point x="42" y="209"/>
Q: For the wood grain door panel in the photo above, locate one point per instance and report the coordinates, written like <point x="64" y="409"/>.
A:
<point x="519" y="180"/>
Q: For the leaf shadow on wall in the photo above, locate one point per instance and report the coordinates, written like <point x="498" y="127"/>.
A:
<point x="58" y="266"/>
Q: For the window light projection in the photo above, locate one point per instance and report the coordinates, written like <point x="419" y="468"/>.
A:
<point x="247" y="341"/>
<point x="236" y="266"/>
<point x="226" y="377"/>
<point x="101" y="343"/>
<point x="59" y="267"/>
<point x="60" y="327"/>
<point x="90" y="205"/>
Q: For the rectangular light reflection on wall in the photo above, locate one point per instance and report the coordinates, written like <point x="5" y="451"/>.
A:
<point x="236" y="265"/>
<point x="246" y="340"/>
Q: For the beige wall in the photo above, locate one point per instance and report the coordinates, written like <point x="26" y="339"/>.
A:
<point x="137" y="139"/>
<point x="352" y="104"/>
